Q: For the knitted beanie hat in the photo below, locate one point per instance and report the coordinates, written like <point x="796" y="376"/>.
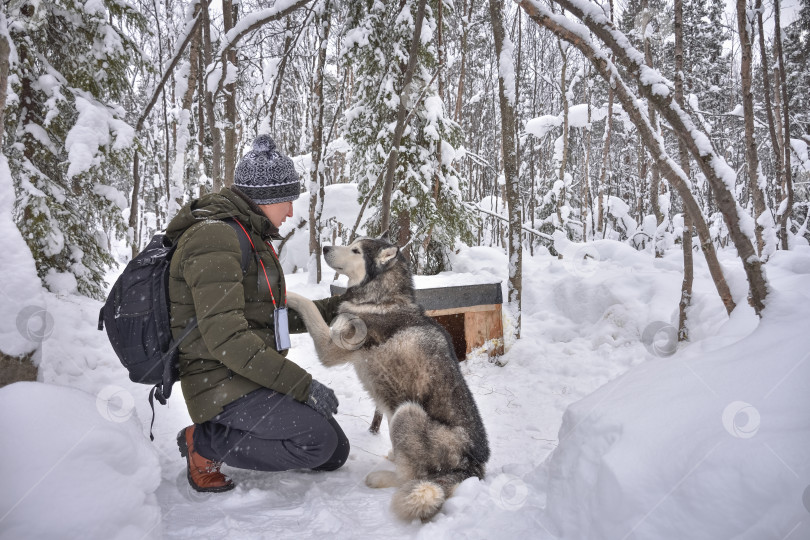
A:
<point x="265" y="175"/>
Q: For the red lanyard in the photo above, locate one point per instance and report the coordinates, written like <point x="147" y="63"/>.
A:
<point x="261" y="263"/>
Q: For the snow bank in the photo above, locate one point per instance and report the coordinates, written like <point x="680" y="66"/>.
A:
<point x="74" y="466"/>
<point x="707" y="443"/>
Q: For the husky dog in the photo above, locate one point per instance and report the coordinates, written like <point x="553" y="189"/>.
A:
<point x="406" y="362"/>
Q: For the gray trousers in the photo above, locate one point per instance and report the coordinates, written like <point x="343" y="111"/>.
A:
<point x="269" y="431"/>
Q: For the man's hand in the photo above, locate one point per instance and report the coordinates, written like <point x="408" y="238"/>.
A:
<point x="322" y="399"/>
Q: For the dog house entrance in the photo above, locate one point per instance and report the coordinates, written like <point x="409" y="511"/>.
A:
<point x="454" y="324"/>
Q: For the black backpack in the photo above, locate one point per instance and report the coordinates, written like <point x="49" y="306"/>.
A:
<point x="136" y="316"/>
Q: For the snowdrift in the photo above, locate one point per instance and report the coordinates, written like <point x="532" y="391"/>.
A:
<point x="73" y="467"/>
<point x="708" y="443"/>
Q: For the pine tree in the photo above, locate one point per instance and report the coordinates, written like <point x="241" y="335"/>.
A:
<point x="66" y="136"/>
<point x="706" y="69"/>
<point x="797" y="69"/>
<point x="426" y="194"/>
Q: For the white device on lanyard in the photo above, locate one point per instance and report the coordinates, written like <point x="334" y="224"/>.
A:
<point x="282" y="329"/>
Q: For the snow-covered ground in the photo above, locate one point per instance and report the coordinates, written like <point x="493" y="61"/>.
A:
<point x="597" y="429"/>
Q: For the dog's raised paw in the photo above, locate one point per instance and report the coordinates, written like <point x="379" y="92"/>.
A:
<point x="382" y="479"/>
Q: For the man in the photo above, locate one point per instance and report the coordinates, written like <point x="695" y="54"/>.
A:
<point x="251" y="407"/>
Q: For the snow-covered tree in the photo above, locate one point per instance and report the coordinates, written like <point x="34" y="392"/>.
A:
<point x="426" y="196"/>
<point x="66" y="133"/>
<point x="797" y="68"/>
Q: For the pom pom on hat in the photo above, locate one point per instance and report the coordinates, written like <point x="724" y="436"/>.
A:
<point x="264" y="143"/>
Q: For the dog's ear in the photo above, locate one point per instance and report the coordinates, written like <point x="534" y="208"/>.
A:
<point x="386" y="237"/>
<point x="387" y="254"/>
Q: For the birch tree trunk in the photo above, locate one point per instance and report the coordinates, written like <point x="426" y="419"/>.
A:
<point x="564" y="154"/>
<point x="751" y="157"/>
<point x="506" y="99"/>
<point x="600" y="189"/>
<point x="766" y="86"/>
<point x="786" y="207"/>
<point x="688" y="263"/>
<point x="586" y="181"/>
<point x="655" y="177"/>
<point x="605" y="147"/>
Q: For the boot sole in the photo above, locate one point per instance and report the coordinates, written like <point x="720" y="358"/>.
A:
<point x="183" y="447"/>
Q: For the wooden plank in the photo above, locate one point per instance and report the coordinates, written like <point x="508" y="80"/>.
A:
<point x="457" y="311"/>
<point x="482" y="326"/>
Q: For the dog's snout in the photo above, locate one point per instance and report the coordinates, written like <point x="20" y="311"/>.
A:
<point x="326" y="250"/>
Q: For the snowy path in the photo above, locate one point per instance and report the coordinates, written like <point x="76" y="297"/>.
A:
<point x="581" y="329"/>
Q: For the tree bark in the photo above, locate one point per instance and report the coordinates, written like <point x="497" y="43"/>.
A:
<point x="402" y="111"/>
<point x="5" y="51"/>
<point x="751" y="157"/>
<point x="711" y="164"/>
<point x="655" y="177"/>
<point x="605" y="147"/>
<point x="316" y="184"/>
<point x="586" y="181"/>
<point x="280" y="69"/>
<point x="674" y="174"/>
<point x="564" y="155"/>
<point x="510" y="165"/>
<point x="784" y="214"/>
<point x="463" y="70"/>
<point x="213" y="130"/>
<point x="600" y="189"/>
<point x="688" y="263"/>
<point x="229" y="16"/>
<point x="766" y="86"/>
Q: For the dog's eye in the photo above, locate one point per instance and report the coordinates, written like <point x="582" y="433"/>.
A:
<point x="355" y="250"/>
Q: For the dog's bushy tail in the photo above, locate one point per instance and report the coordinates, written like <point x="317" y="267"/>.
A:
<point x="423" y="498"/>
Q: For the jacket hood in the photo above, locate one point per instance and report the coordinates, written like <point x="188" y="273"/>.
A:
<point x="228" y="203"/>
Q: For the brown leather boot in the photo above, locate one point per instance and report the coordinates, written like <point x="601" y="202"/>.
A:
<point x="203" y="474"/>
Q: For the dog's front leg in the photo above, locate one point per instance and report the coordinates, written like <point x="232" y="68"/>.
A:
<point x="316" y="326"/>
<point x="331" y="349"/>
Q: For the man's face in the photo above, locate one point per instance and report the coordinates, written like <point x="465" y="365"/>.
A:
<point x="277" y="212"/>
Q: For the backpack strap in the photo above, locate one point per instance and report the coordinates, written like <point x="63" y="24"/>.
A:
<point x="245" y="244"/>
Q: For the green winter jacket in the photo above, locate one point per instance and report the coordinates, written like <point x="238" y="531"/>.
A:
<point x="232" y="352"/>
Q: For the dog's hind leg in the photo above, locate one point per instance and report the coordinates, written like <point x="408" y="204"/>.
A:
<point x="423" y="447"/>
<point x="383" y="479"/>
